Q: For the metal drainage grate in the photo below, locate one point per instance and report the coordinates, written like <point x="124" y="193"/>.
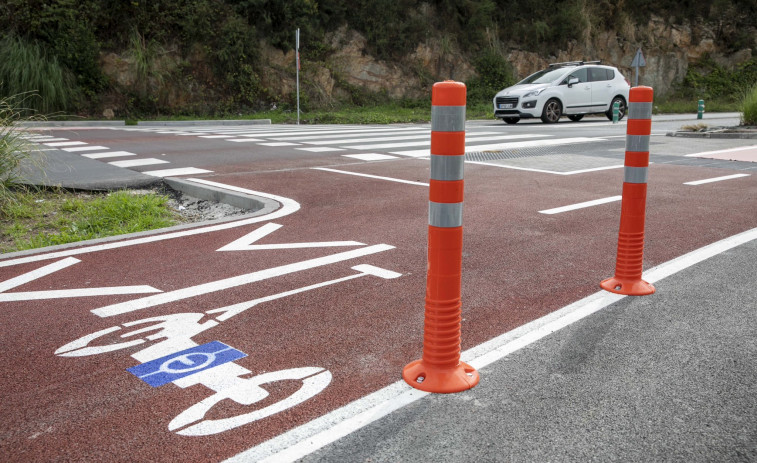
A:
<point x="506" y="154"/>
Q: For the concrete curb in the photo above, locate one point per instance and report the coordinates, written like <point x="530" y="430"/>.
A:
<point x="216" y="122"/>
<point x="70" y="124"/>
<point x="712" y="135"/>
<point x="232" y="198"/>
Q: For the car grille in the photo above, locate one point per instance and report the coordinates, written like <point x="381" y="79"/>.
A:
<point x="507" y="100"/>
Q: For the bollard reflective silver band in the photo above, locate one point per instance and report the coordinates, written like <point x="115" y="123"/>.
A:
<point x="637" y="142"/>
<point x="445" y="215"/>
<point x="635" y="174"/>
<point x="448" y="118"/>
<point x="640" y="110"/>
<point x="447" y="167"/>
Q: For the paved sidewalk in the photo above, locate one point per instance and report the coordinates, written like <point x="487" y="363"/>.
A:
<point x="667" y="377"/>
<point x="70" y="170"/>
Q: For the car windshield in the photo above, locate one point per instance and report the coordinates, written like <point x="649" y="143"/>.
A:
<point x="543" y="77"/>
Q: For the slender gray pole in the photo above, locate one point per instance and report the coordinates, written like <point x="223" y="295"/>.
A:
<point x="297" y="57"/>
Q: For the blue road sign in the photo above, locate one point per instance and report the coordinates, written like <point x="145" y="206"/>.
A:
<point x="187" y="362"/>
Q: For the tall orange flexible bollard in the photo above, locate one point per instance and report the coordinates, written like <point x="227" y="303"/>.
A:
<point x="628" y="267"/>
<point x="440" y="369"/>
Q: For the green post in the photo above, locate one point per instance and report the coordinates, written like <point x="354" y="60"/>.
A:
<point x="700" y="110"/>
<point x="615" y="112"/>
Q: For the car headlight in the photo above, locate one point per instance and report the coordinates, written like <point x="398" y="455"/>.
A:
<point x="534" y="93"/>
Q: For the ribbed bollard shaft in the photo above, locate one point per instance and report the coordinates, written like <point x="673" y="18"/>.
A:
<point x="630" y="256"/>
<point x="440" y="369"/>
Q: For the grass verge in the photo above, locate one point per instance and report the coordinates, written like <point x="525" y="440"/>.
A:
<point x="749" y="107"/>
<point x="681" y="106"/>
<point x="48" y="217"/>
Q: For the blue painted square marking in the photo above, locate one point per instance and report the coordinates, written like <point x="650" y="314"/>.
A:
<point x="187" y="362"/>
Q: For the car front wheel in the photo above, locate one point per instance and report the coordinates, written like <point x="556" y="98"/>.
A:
<point x="552" y="112"/>
<point x="511" y="120"/>
<point x="622" y="108"/>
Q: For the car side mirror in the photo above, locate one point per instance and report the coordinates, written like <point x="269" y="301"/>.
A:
<point x="573" y="80"/>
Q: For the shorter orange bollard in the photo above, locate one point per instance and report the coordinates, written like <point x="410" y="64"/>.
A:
<point x="440" y="369"/>
<point x="628" y="267"/>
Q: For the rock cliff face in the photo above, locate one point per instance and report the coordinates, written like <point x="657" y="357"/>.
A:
<point x="348" y="66"/>
<point x="668" y="49"/>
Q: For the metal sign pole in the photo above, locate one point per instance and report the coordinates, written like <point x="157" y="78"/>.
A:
<point x="297" y="53"/>
<point x="638" y="62"/>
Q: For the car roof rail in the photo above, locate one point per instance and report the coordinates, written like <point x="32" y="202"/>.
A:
<point x="573" y="63"/>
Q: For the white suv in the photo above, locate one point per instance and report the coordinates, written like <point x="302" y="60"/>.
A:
<point x="572" y="89"/>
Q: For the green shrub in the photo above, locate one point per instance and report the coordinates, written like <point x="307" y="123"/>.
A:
<point x="749" y="107"/>
<point x="494" y="74"/>
<point x="708" y="80"/>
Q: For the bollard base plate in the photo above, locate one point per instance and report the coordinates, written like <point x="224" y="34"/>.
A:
<point x="627" y="287"/>
<point x="443" y="381"/>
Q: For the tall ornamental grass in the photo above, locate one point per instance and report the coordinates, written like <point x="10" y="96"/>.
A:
<point x="26" y="69"/>
<point x="14" y="147"/>
<point x="749" y="106"/>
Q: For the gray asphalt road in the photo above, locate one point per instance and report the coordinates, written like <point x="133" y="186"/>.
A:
<point x="668" y="377"/>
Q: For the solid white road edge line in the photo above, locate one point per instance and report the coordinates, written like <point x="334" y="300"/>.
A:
<point x="305" y="439"/>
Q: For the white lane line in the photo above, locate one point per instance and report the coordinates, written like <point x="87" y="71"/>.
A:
<point x="309" y="437"/>
<point x="369" y="156"/>
<point x="370" y="176"/>
<point x="427" y="141"/>
<point x="138" y="162"/>
<point x="320" y="149"/>
<point x="65" y="143"/>
<point x="279" y="143"/>
<point x="85" y="148"/>
<point x="288" y="206"/>
<point x="177" y="172"/>
<point x="349" y="133"/>
<point x="729" y="150"/>
<point x="344" y="141"/>
<point x="38" y="273"/>
<point x="716" y="179"/>
<point x="573" y="207"/>
<point x="82" y="292"/>
<point x="507" y="146"/>
<point x="543" y="171"/>
<point x="344" y="132"/>
<point x="50" y="139"/>
<point x="244" y="140"/>
<point x="215" y="136"/>
<point x="109" y="154"/>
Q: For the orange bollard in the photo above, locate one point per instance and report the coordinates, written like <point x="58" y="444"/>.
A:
<point x="627" y="279"/>
<point x="440" y="369"/>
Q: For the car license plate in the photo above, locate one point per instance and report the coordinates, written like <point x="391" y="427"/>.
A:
<point x="506" y="106"/>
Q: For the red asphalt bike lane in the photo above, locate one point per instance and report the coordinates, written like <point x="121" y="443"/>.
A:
<point x="355" y="335"/>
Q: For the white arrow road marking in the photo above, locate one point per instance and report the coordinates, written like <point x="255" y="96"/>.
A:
<point x="245" y="243"/>
<point x="61" y="293"/>
<point x="365" y="269"/>
<point x="205" y="288"/>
